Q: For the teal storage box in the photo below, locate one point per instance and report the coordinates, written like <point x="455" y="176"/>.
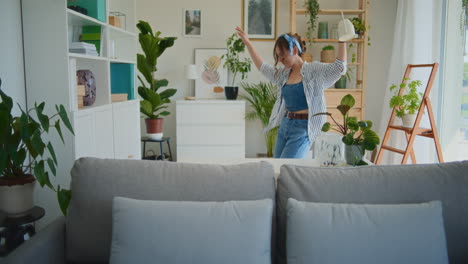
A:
<point x="122" y="79"/>
<point x="96" y="8"/>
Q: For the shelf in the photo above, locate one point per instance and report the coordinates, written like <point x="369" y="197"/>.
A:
<point x="78" y="19"/>
<point x="88" y="57"/>
<point x="122" y="61"/>
<point x="333" y="11"/>
<point x="334" y="90"/>
<point x="333" y="40"/>
<point x="121" y="32"/>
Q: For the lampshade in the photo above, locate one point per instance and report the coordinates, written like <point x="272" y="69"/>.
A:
<point x="191" y="72"/>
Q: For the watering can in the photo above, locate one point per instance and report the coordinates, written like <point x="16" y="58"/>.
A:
<point x="346" y="30"/>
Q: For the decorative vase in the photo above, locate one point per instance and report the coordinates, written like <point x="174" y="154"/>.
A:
<point x="408" y="120"/>
<point x="154" y="128"/>
<point x="86" y="78"/>
<point x="17" y="195"/>
<point x="341" y="83"/>
<point x="307" y="56"/>
<point x="322" y="30"/>
<point x="327" y="56"/>
<point x="353" y="153"/>
<point x="231" y="92"/>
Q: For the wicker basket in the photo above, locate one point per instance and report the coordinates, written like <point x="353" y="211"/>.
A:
<point x="307" y="57"/>
<point x="328" y="56"/>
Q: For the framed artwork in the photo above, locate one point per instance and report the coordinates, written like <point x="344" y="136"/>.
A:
<point x="259" y="18"/>
<point x="329" y="149"/>
<point x="192" y="23"/>
<point x="213" y="76"/>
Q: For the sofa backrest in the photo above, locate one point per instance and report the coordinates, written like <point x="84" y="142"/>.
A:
<point x="393" y="184"/>
<point x="95" y="182"/>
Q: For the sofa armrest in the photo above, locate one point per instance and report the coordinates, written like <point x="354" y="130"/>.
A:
<point x="47" y="246"/>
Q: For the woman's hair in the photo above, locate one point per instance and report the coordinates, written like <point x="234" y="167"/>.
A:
<point x="283" y="44"/>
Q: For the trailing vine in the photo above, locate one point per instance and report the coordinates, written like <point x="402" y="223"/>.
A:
<point x="313" y="8"/>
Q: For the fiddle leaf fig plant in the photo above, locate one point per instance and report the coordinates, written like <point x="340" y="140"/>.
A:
<point x="154" y="101"/>
<point x="235" y="47"/>
<point x="23" y="149"/>
<point x="409" y="101"/>
<point x="354" y="132"/>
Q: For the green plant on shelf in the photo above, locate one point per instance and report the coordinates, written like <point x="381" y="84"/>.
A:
<point x="328" y="47"/>
<point x="313" y="8"/>
<point x="409" y="101"/>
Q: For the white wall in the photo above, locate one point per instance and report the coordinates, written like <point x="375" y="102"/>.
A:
<point x="219" y="18"/>
<point x="11" y="52"/>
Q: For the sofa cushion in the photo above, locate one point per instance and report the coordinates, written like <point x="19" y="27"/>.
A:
<point x="365" y="233"/>
<point x="173" y="232"/>
<point x="95" y="182"/>
<point x="388" y="184"/>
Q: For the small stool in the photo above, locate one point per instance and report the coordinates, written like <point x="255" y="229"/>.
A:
<point x="161" y="142"/>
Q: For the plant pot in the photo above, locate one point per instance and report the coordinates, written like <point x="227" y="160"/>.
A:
<point x="353" y="153"/>
<point x="341" y="83"/>
<point x="322" y="30"/>
<point x="17" y="195"/>
<point x="154" y="128"/>
<point x="231" y="92"/>
<point x="408" y="120"/>
<point x="307" y="56"/>
<point x="327" y="56"/>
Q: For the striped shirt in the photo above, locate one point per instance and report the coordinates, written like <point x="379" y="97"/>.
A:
<point x="316" y="77"/>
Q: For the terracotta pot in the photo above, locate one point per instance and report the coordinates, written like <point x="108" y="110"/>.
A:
<point x="327" y="56"/>
<point x="154" y="128"/>
<point x="17" y="195"/>
<point x="307" y="57"/>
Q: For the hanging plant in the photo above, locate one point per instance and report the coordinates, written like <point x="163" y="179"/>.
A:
<point x="313" y="9"/>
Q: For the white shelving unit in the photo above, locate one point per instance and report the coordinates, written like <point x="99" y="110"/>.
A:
<point x="105" y="129"/>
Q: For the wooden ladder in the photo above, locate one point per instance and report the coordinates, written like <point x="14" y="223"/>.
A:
<point x="412" y="132"/>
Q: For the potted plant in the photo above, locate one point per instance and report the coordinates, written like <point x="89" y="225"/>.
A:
<point x="328" y="54"/>
<point x="154" y="100"/>
<point x="406" y="101"/>
<point x="358" y="136"/>
<point x="360" y="27"/>
<point x="341" y="83"/>
<point x="24" y="155"/>
<point x="313" y="8"/>
<point x="235" y="47"/>
<point x="262" y="98"/>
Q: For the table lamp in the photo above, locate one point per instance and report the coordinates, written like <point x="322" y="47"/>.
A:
<point x="191" y="73"/>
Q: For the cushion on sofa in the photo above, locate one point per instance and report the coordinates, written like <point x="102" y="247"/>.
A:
<point x="388" y="184"/>
<point x="191" y="232"/>
<point x="95" y="182"/>
<point x="365" y="233"/>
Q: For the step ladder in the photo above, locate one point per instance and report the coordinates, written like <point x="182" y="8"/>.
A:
<point x="412" y="132"/>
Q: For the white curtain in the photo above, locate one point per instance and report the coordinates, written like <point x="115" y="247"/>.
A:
<point x="416" y="40"/>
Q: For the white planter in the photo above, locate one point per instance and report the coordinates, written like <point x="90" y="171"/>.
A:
<point x="155" y="136"/>
<point x="16" y="200"/>
<point x="408" y="120"/>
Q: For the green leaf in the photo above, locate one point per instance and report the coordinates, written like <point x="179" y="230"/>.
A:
<point x="3" y="160"/>
<point x="343" y="109"/>
<point x="167" y="93"/>
<point x="146" y="108"/>
<point x="353" y="124"/>
<point x="6" y="100"/>
<point x="52" y="152"/>
<point x="41" y="175"/>
<point x="5" y="125"/>
<point x="348" y="100"/>
<point x="44" y="119"/>
<point x="18" y="156"/>
<point x="361" y="163"/>
<point x="326" y="127"/>
<point x="37" y="143"/>
<point x="144" y="27"/>
<point x="63" y="197"/>
<point x="144" y="68"/>
<point x="348" y="139"/>
<point x="160" y="83"/>
<point x="371" y="140"/>
<point x="165" y="113"/>
<point x="59" y="130"/>
<point x="50" y="162"/>
<point x="65" y="120"/>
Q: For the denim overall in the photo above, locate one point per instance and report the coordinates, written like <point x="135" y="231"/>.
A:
<point x="293" y="139"/>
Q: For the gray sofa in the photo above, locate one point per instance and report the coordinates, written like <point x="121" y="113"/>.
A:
<point x="85" y="235"/>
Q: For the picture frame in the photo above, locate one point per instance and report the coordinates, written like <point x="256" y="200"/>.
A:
<point x="329" y="149"/>
<point x="213" y="77"/>
<point x="258" y="24"/>
<point x="192" y="23"/>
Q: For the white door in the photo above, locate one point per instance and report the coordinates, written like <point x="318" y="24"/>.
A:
<point x="127" y="130"/>
<point x="83" y="125"/>
<point x="104" y="132"/>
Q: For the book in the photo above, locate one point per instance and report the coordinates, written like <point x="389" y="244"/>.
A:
<point x="82" y="45"/>
<point x="119" y="97"/>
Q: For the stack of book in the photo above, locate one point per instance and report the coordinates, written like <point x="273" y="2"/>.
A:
<point x="83" y="48"/>
<point x="81" y="92"/>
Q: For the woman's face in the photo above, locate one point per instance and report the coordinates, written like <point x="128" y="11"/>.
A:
<point x="285" y="57"/>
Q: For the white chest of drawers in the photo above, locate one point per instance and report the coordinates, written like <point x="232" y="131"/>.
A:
<point x="210" y="129"/>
